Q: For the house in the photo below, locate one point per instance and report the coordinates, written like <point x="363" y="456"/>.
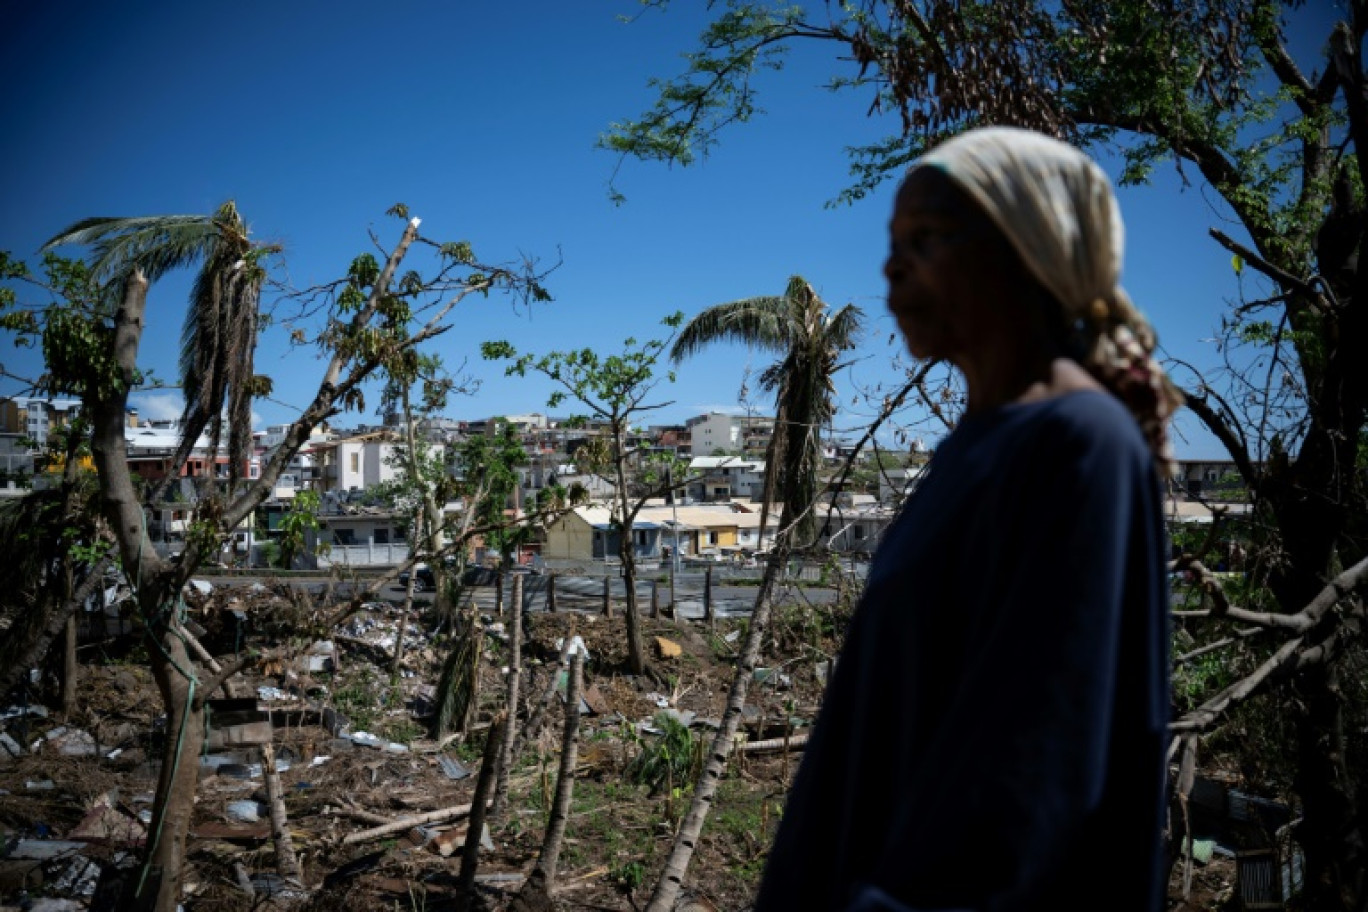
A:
<point x="16" y="466"/>
<point x="672" y="438"/>
<point x="1207" y="479"/>
<point x="152" y="446"/>
<point x="1179" y="509"/>
<point x="600" y="489"/>
<point x="361" y="460"/>
<point x="587" y="533"/>
<point x="366" y="538"/>
<point x="897" y="482"/>
<point x="35" y="417"/>
<point x="854" y="523"/>
<point x="302" y="471"/>
<point x="724" y="478"/>
<point x="719" y="432"/>
<point x="26" y="423"/>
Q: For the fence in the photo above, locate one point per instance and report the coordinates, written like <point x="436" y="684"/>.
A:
<point x="371" y="555"/>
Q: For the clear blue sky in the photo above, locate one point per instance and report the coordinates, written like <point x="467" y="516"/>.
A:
<point x="482" y="118"/>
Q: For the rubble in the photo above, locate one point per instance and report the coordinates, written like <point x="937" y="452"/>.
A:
<point x="344" y="737"/>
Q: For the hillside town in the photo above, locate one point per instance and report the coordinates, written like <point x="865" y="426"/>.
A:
<point x="714" y="514"/>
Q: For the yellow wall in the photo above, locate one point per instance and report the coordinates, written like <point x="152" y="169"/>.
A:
<point x="569" y="538"/>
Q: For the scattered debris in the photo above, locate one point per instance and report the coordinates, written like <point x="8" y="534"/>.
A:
<point x="9" y="748"/>
<point x="244" y="811"/>
<point x="72" y="742"/>
<point x="15" y="712"/>
<point x="452" y="767"/>
<point x="576" y="645"/>
<point x="108" y="824"/>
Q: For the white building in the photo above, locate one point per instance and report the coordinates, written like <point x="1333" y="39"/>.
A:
<point x="361" y="461"/>
<point x="35" y="416"/>
<point x="718" y="432"/>
<point x="721" y="478"/>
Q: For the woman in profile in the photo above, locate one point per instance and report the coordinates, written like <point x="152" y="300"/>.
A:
<point x="994" y="735"/>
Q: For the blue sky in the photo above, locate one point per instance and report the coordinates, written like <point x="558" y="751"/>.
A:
<point x="482" y="118"/>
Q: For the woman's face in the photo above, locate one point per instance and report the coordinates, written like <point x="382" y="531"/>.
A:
<point x="949" y="269"/>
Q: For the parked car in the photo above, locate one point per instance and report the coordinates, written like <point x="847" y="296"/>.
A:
<point x="425" y="582"/>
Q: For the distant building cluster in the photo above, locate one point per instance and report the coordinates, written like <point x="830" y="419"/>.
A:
<point x="714" y="514"/>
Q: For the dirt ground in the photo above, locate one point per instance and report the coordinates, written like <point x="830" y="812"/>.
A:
<point x="91" y="782"/>
<point x="101" y="765"/>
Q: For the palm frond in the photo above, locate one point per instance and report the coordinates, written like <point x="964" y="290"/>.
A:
<point x="843" y="328"/>
<point x="219" y="336"/>
<point x="458" y="688"/>
<point x="761" y="323"/>
<point x="154" y="244"/>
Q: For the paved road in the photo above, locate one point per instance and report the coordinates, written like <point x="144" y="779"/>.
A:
<point x="578" y="593"/>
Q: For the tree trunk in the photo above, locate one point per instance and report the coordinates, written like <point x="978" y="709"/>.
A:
<point x="538" y="713"/>
<point x="510" y="733"/>
<point x="53" y="626"/>
<point x="1331" y="832"/>
<point x="672" y="876"/>
<point x="70" y="669"/>
<point x="636" y="652"/>
<point x="157" y="886"/>
<point x="489" y="770"/>
<point x="542" y="880"/>
<point x="458" y="688"/>
<point x="403" y="624"/>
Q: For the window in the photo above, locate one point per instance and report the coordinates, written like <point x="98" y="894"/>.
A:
<point x="382" y="536"/>
<point x="859" y="533"/>
<point x="356" y="462"/>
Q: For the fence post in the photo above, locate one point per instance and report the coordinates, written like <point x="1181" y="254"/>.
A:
<point x="655" y="598"/>
<point x="498" y="592"/>
<point x="607" y="595"/>
<point x="707" y="595"/>
<point x="551" y="592"/>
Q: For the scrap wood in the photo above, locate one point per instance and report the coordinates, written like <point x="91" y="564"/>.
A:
<point x="377" y="651"/>
<point x="408" y="823"/>
<point x="286" y="859"/>
<point x="773" y="744"/>
<point x="198" y="648"/>
<point x="349" y="810"/>
<point x="578" y="883"/>
<point x="213" y="829"/>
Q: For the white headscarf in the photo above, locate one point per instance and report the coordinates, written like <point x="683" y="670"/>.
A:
<point x="1052" y="202"/>
<point x="1057" y="209"/>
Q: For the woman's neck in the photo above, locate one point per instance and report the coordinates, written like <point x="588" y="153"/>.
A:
<point x="1004" y="380"/>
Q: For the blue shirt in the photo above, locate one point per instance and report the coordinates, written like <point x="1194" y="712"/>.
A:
<point x="994" y="732"/>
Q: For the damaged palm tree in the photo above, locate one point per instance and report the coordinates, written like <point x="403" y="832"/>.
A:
<point x="458" y="687"/>
<point x="218" y="339"/>
<point x="94" y="353"/>
<point x="809" y="339"/>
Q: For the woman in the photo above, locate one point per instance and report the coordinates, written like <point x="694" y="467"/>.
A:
<point x="993" y="737"/>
